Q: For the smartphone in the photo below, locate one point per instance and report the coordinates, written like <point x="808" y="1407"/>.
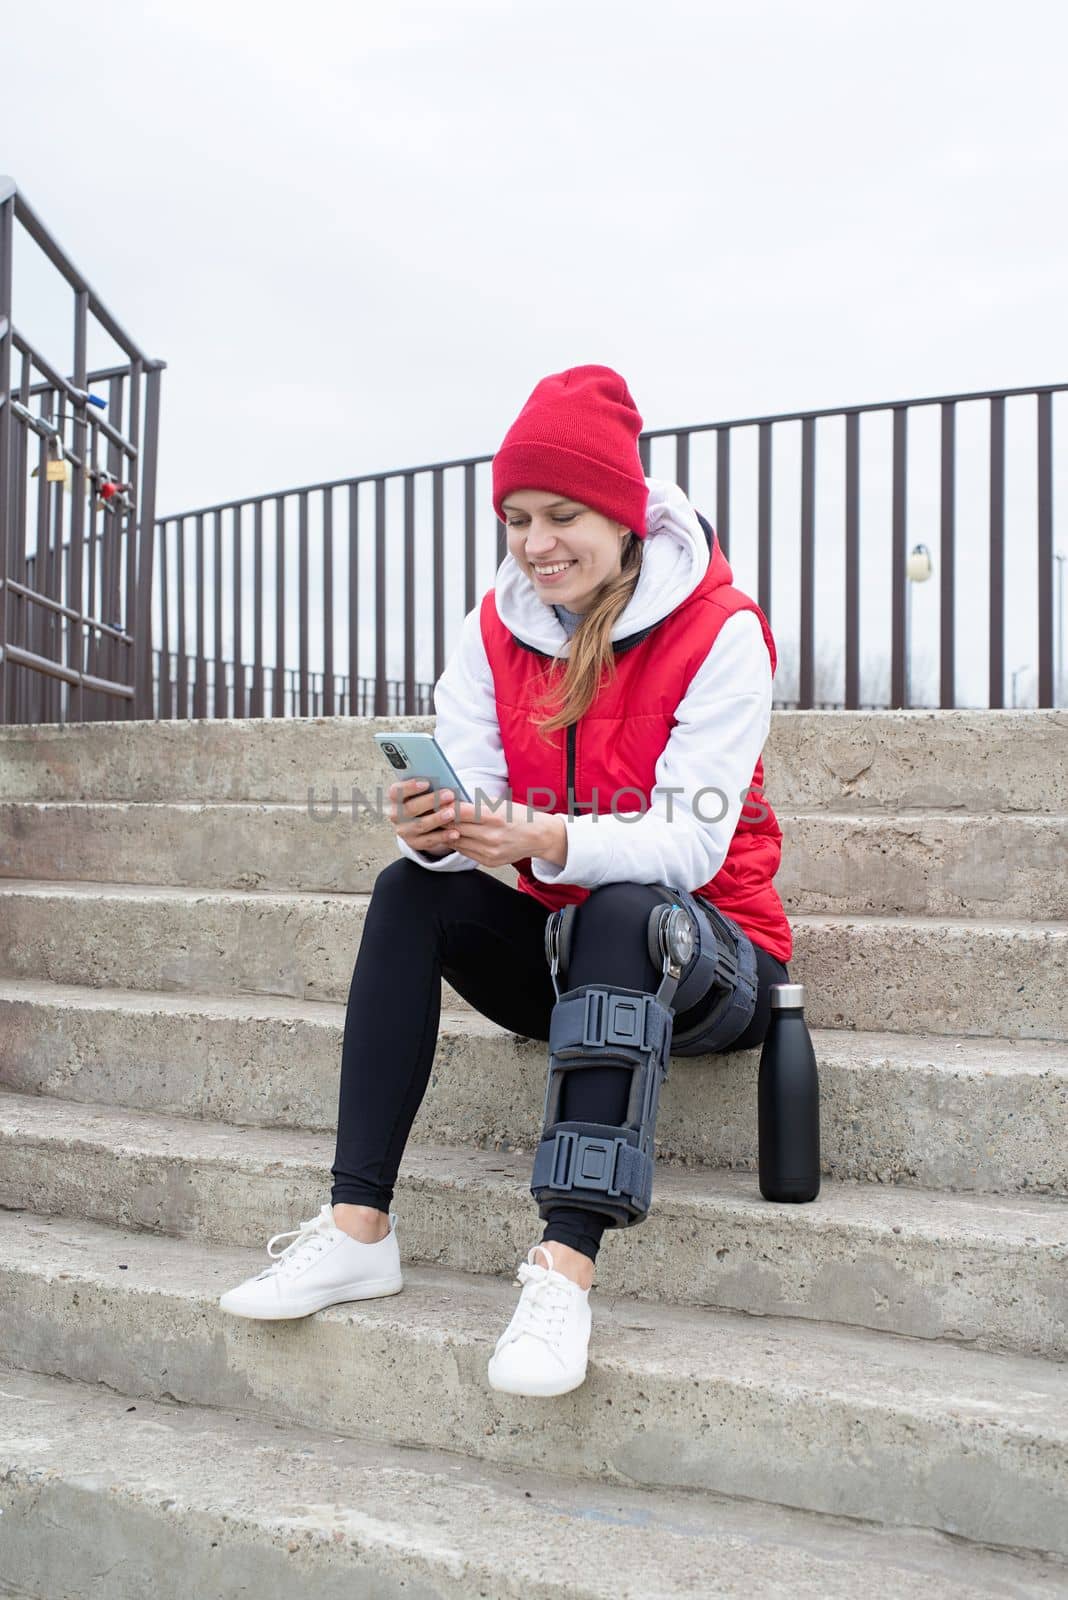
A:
<point x="418" y="755"/>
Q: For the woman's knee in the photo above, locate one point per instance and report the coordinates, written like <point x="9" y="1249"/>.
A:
<point x="609" y="940"/>
<point x="405" y="878"/>
<point x="611" y="902"/>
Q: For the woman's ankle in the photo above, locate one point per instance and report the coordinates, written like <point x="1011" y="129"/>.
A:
<point x="366" y="1224"/>
<point x="571" y="1263"/>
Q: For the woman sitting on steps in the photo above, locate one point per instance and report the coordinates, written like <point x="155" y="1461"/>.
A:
<point x="647" y="746"/>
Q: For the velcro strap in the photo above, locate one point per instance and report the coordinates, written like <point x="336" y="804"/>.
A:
<point x="625" y="1017"/>
<point x="726" y="968"/>
<point x="607" y="1165"/>
<point x="634" y="1174"/>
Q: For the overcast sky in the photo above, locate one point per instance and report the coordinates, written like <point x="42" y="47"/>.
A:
<point x="359" y="234"/>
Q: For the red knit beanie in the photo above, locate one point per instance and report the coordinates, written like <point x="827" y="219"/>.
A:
<point x="577" y="435"/>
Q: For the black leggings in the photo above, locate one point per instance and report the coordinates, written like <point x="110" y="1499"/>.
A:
<point x="488" y="940"/>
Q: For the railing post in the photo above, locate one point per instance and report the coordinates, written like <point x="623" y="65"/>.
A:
<point x="409" y="593"/>
<point x="948" y="555"/>
<point x="381" y="708"/>
<point x="899" y="633"/>
<point x="303" y="621"/>
<point x="1046" y="696"/>
<point x="218" y="670"/>
<point x="125" y="659"/>
<point x="76" y="636"/>
<point x="806" y="684"/>
<point x="764" y="481"/>
<point x="146" y="535"/>
<point x="256" y="707"/>
<point x="682" y="461"/>
<point x="439" y="574"/>
<point x="7" y="236"/>
<point x="852" y="563"/>
<point x="354" y="600"/>
<point x="328" y="603"/>
<point x="723" y="489"/>
<point x="278" y="677"/>
<point x="996" y="647"/>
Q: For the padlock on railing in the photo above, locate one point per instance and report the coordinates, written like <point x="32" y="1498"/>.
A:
<point x="113" y="495"/>
<point x="57" y="467"/>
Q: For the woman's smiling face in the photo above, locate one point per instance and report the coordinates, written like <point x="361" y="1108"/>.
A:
<point x="547" y="530"/>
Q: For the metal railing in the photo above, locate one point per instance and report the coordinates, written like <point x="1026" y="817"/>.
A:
<point x="77" y="505"/>
<point x="178" y="686"/>
<point x="244" y="559"/>
<point x="900" y="412"/>
<point x="276" y="604"/>
<point x="415" y="542"/>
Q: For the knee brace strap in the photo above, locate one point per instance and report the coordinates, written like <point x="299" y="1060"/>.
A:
<point x="594" y="1165"/>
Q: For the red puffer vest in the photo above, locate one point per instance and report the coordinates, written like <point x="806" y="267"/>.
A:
<point x="615" y="746"/>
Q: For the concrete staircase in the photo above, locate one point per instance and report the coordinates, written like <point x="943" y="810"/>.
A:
<point x="870" y="1391"/>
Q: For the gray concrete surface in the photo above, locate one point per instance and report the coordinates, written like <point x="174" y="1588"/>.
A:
<point x="984" y="1271"/>
<point x="893" y="1351"/>
<point x="911" y="1432"/>
<point x="838" y="760"/>
<point x="935" y="1113"/>
<point x="998" y="978"/>
<point x="917" y="864"/>
<point x="102" y="1500"/>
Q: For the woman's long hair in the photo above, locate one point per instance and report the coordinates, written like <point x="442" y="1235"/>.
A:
<point x="591" y="646"/>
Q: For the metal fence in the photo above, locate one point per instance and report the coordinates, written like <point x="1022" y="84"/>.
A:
<point x="388" y="560"/>
<point x="77" y="504"/>
<point x="230" y="684"/>
<point x="274" y="605"/>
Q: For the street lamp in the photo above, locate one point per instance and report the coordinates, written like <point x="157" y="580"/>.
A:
<point x="918" y="569"/>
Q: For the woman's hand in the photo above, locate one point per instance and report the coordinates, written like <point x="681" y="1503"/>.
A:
<point x="420" y="816"/>
<point x="435" y="822"/>
<point x="497" y="838"/>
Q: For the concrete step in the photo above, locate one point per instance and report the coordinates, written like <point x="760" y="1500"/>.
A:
<point x="999" y="978"/>
<point x="300" y="945"/>
<point x="925" y="865"/>
<point x="183" y="1500"/>
<point x="990" y="1272"/>
<point x="922" y="864"/>
<point x="839" y="760"/>
<point x="810" y="1415"/>
<point x="981" y="1115"/>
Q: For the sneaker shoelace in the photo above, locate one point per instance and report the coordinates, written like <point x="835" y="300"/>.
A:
<point x="309" y="1241"/>
<point x="543" y="1305"/>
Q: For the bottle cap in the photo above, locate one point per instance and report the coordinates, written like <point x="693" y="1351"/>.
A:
<point x="787" y="994"/>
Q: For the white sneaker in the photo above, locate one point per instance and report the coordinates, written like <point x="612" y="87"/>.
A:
<point x="543" y="1349"/>
<point x="322" y="1266"/>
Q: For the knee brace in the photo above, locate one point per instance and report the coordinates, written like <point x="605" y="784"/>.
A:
<point x="594" y="1165"/>
<point x="726" y="971"/>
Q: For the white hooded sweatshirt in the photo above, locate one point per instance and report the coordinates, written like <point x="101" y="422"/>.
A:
<point x="723" y="721"/>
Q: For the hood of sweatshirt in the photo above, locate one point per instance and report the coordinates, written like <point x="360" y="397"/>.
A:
<point x="675" y="556"/>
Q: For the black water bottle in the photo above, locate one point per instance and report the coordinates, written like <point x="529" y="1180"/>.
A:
<point x="788" y="1102"/>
